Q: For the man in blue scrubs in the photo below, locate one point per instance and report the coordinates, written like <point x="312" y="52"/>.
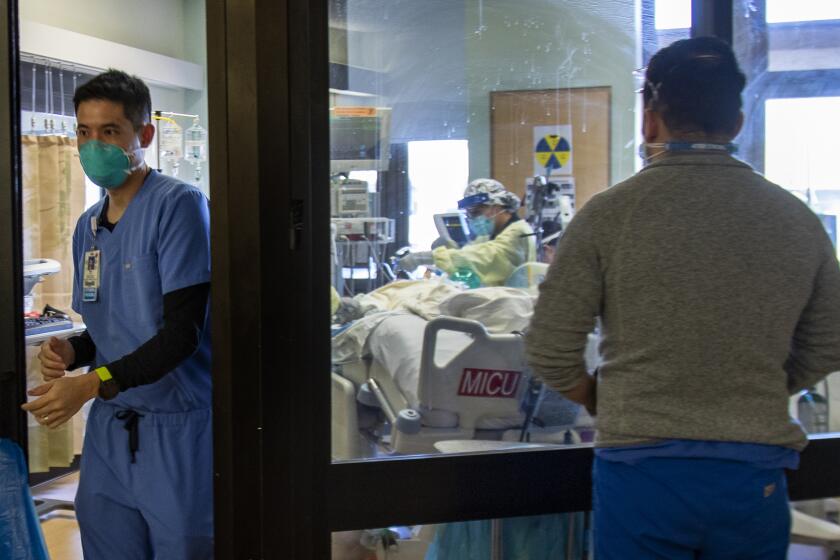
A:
<point x="142" y="273"/>
<point x="719" y="296"/>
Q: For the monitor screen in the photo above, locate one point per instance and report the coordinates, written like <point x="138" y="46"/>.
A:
<point x="359" y="138"/>
<point x="451" y="227"/>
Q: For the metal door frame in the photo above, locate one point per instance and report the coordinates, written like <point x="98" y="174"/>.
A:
<point x="276" y="489"/>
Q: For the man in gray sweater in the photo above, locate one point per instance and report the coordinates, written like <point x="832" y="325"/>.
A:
<point x="719" y="296"/>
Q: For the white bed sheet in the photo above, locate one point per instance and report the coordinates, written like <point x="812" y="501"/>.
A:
<point x="397" y="344"/>
<point x="394" y="338"/>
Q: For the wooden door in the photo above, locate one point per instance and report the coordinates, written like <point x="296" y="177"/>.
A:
<point x="514" y="116"/>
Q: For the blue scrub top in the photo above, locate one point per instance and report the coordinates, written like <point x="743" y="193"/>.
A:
<point x="161" y="244"/>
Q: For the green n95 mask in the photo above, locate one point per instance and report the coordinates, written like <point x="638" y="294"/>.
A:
<point x="107" y="165"/>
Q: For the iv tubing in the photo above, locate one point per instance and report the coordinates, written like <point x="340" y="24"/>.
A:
<point x="171" y="114"/>
<point x="167" y="119"/>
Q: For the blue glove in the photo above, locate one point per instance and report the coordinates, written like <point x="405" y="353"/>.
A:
<point x="412" y="260"/>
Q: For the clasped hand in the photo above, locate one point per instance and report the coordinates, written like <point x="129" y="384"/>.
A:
<point x="61" y="396"/>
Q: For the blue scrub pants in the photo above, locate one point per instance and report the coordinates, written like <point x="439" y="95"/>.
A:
<point x="697" y="509"/>
<point x="160" y="506"/>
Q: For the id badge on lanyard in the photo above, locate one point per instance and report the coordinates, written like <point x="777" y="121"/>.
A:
<point x="91" y="268"/>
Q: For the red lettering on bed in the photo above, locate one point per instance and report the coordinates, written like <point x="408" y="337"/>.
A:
<point x="489" y="383"/>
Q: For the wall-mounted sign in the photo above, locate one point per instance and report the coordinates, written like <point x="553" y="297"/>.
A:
<point x="553" y="150"/>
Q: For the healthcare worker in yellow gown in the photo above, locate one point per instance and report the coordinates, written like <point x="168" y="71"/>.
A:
<point x="503" y="241"/>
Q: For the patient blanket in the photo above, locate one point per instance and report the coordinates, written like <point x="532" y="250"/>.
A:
<point x="499" y="309"/>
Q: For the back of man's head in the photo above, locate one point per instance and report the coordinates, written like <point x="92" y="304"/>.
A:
<point x="695" y="85"/>
<point x="119" y="87"/>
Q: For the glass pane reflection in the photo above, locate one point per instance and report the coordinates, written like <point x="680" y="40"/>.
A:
<point x="789" y="116"/>
<point x="559" y="536"/>
<point x="427" y="346"/>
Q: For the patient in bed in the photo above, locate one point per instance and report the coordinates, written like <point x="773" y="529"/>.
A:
<point x="389" y="330"/>
<point x="390" y="335"/>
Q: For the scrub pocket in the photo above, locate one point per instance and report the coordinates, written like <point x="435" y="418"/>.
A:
<point x="141" y="291"/>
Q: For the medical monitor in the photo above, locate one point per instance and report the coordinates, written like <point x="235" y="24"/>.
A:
<point x="359" y="138"/>
<point x="452" y="227"/>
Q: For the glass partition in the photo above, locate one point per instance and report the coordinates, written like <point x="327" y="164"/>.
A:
<point x="789" y="52"/>
<point x="562" y="535"/>
<point x="427" y="319"/>
<point x="792" y="102"/>
<point x="566" y="535"/>
<point x="801" y="35"/>
<point x="672" y="22"/>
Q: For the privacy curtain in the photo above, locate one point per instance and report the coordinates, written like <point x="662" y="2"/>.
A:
<point x="53" y="200"/>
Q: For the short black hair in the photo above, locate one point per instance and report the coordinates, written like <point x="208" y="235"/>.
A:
<point x="696" y="85"/>
<point x="117" y="86"/>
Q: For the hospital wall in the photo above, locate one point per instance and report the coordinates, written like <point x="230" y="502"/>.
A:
<point x="416" y="53"/>
<point x="544" y="44"/>
<point x="175" y="28"/>
<point x="152" y="25"/>
<point x="437" y="61"/>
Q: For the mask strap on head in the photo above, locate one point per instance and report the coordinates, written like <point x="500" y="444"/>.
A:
<point x="654" y="91"/>
<point x="703" y="56"/>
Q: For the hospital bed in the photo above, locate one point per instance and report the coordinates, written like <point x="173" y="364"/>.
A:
<point x="455" y="382"/>
<point x="815" y="531"/>
<point x="814" y="521"/>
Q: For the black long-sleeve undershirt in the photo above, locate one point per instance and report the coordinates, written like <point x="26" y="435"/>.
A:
<point x="184" y="312"/>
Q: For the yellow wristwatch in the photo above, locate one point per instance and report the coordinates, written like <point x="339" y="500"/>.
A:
<point x="108" y="387"/>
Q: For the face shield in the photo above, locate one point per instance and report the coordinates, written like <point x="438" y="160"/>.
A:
<point x="474" y="208"/>
<point x="484" y="199"/>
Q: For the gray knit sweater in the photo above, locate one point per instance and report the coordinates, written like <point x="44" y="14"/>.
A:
<point x="719" y="294"/>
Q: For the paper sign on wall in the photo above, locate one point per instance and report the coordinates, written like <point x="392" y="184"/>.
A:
<point x="553" y="150"/>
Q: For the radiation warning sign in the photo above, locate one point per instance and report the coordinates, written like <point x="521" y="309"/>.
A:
<point x="553" y="150"/>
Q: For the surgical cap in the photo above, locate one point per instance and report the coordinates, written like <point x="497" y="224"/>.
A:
<point x="490" y="192"/>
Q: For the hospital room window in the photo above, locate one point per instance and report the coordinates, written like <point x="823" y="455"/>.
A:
<point x="671" y="22"/>
<point x="785" y="11"/>
<point x="426" y="345"/>
<point x="790" y="52"/>
<point x="437" y="171"/>
<point x="673" y="14"/>
<point x="800" y="148"/>
<point x="803" y="35"/>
